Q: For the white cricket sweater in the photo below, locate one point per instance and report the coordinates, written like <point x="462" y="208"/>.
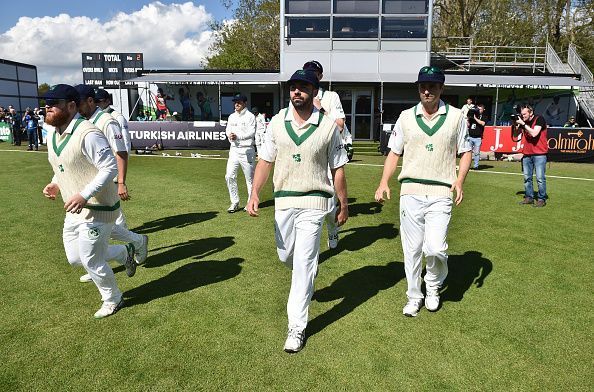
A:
<point x="73" y="171"/>
<point x="301" y="165"/>
<point x="429" y="160"/>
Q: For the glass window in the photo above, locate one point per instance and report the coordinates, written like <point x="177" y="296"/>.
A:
<point x="404" y="27"/>
<point x="363" y="104"/>
<point x="356" y="7"/>
<point x="309" y="27"/>
<point x="405" y="7"/>
<point x="355" y="27"/>
<point x="362" y="127"/>
<point x="307" y="6"/>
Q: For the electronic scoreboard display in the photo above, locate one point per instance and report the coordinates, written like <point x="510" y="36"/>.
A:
<point x="110" y="69"/>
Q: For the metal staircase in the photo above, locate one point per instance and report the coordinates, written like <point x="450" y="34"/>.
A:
<point x="585" y="97"/>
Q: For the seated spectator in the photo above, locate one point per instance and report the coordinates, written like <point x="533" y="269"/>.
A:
<point x="571" y="123"/>
<point x="141" y="116"/>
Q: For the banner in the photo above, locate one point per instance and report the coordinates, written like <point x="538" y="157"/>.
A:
<point x="178" y="134"/>
<point x="5" y="132"/>
<point x="565" y="144"/>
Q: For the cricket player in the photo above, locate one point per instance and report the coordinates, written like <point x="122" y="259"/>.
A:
<point x="241" y="131"/>
<point x="84" y="168"/>
<point x="301" y="142"/>
<point x="104" y="101"/>
<point x="113" y="132"/>
<point x="430" y="135"/>
<point x="329" y="103"/>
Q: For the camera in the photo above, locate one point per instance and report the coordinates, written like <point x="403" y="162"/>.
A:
<point x="516" y="116"/>
<point x="473" y="112"/>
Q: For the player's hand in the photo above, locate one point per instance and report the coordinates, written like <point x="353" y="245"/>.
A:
<point x="342" y="214"/>
<point x="75" y="204"/>
<point x="379" y="193"/>
<point x="457" y="188"/>
<point x="51" y="190"/>
<point x="123" y="192"/>
<point x="232" y="136"/>
<point x="252" y="206"/>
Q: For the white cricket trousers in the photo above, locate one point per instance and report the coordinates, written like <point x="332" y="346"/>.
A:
<point x="246" y="158"/>
<point x="120" y="232"/>
<point x="87" y="244"/>
<point x="297" y="235"/>
<point x="424" y="224"/>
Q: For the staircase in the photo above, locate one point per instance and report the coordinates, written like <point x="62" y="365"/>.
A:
<point x="366" y="148"/>
<point x="585" y="97"/>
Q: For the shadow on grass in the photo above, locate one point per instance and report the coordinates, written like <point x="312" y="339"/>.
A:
<point x="267" y="203"/>
<point x="176" y="221"/>
<point x="364" y="209"/>
<point x="354" y="288"/>
<point x="359" y="238"/>
<point x="185" y="278"/>
<point x="196" y="249"/>
<point x="534" y="195"/>
<point x="465" y="270"/>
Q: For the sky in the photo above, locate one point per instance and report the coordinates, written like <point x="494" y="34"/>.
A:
<point x="53" y="34"/>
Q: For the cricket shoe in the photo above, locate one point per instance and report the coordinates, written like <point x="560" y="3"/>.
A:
<point x="108" y="309"/>
<point x="294" y="342"/>
<point x="142" y="251"/>
<point x="234" y="207"/>
<point x="432" y="300"/>
<point x="86" y="278"/>
<point x="412" y="307"/>
<point x="130" y="264"/>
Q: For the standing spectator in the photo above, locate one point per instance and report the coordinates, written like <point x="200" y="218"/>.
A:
<point x="187" y="109"/>
<point x="30" y="123"/>
<point x="204" y="105"/>
<point x="241" y="129"/>
<point x="475" y="133"/>
<point x="301" y="143"/>
<point x="430" y="135"/>
<point x="536" y="147"/>
<point x="40" y="119"/>
<point x="15" y="120"/>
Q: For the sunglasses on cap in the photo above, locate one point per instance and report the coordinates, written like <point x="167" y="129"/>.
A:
<point x="430" y="70"/>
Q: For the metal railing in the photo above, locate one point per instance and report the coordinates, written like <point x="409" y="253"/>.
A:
<point x="586" y="98"/>
<point x="554" y="63"/>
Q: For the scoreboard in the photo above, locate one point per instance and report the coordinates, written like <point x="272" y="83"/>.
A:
<point x="110" y="69"/>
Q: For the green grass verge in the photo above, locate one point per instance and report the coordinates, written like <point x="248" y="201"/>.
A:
<point x="208" y="310"/>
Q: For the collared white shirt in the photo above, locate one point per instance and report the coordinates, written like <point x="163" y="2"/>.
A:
<point x="113" y="132"/>
<point x="337" y="156"/>
<point x="243" y="125"/>
<point x="396" y="142"/>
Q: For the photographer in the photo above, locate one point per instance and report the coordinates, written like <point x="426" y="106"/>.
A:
<point x="476" y="127"/>
<point x="534" y="133"/>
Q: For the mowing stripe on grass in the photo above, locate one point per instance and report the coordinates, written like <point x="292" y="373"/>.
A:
<point x="350" y="164"/>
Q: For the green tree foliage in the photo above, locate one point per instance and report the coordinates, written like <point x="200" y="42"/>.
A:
<point x="41" y="90"/>
<point x="518" y="23"/>
<point x="250" y="41"/>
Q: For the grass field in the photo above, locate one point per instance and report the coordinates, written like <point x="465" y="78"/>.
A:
<point x="208" y="310"/>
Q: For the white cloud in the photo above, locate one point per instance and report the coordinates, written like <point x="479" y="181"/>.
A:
<point x="170" y="36"/>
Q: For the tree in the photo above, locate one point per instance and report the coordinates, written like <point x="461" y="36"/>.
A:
<point x="41" y="90"/>
<point x="250" y="41"/>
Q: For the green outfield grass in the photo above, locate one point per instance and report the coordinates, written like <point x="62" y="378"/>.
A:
<point x="207" y="312"/>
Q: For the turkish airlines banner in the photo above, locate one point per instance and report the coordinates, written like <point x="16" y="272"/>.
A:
<point x="179" y="134"/>
<point x="565" y="144"/>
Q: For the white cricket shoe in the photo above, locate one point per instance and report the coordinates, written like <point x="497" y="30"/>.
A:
<point x="86" y="278"/>
<point x="412" y="307"/>
<point x="294" y="342"/>
<point x="107" y="309"/>
<point x="142" y="251"/>
<point x="234" y="207"/>
<point x="432" y="300"/>
<point x="130" y="264"/>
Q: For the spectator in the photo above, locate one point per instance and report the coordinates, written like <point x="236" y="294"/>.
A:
<point x="187" y="109"/>
<point x="161" y="103"/>
<point x="571" y="123"/>
<point x="30" y="123"/>
<point x="40" y="119"/>
<point x="204" y="105"/>
<point x="15" y="120"/>
<point x="141" y="116"/>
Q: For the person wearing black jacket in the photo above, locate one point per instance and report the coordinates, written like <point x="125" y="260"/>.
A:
<point x="16" y="127"/>
<point x="476" y="127"/>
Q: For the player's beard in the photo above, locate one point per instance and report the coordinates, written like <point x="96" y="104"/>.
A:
<point x="301" y="102"/>
<point x="57" y="118"/>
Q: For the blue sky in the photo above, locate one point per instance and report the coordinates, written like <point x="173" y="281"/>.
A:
<point x="52" y="34"/>
<point x="102" y="9"/>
